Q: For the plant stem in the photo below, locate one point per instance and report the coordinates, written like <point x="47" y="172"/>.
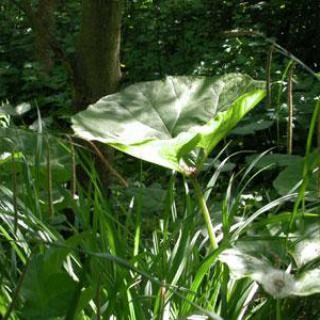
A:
<point x="205" y="212"/>
<point x="268" y="72"/>
<point x="14" y="193"/>
<point x="318" y="146"/>
<point x="306" y="168"/>
<point x="278" y="101"/>
<point x="290" y="111"/>
<point x="74" y="169"/>
<point x="278" y="309"/>
<point x="17" y="290"/>
<point x="49" y="177"/>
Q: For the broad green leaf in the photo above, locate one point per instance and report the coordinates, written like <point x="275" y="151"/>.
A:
<point x="306" y="251"/>
<point x="293" y="174"/>
<point x="251" y="128"/>
<point x="23" y="143"/>
<point x="243" y="265"/>
<point x="8" y="109"/>
<point x="152" y="198"/>
<point x="47" y="289"/>
<point x="167" y="122"/>
<point x="274" y="160"/>
<point x="306" y="248"/>
<point x="308" y="283"/>
<point x="275" y="282"/>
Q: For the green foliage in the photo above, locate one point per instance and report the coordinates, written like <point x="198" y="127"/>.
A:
<point x="290" y="178"/>
<point x="253" y="127"/>
<point x="275" y="282"/>
<point x="273" y="160"/>
<point x="47" y="288"/>
<point x="142" y="252"/>
<point x="165" y="121"/>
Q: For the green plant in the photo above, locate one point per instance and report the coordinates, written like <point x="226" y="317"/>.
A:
<point x="174" y="122"/>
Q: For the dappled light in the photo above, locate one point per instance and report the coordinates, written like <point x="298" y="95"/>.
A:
<point x="159" y="159"/>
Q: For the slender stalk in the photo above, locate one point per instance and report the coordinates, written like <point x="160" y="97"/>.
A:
<point x="74" y="169"/>
<point x="278" y="310"/>
<point x="318" y="145"/>
<point x="268" y="76"/>
<point x="138" y="204"/>
<point x="205" y="212"/>
<point x="98" y="296"/>
<point x="49" y="177"/>
<point x="14" y="193"/>
<point x="137" y="234"/>
<point x="278" y="101"/>
<point x="17" y="290"/>
<point x="290" y="111"/>
<point x="306" y="169"/>
<point x="108" y="165"/>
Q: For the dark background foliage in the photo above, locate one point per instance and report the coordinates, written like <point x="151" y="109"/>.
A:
<point x="159" y="38"/>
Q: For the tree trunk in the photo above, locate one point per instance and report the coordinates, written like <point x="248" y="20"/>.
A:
<point x="97" y="65"/>
<point x="45" y="21"/>
<point x="95" y="69"/>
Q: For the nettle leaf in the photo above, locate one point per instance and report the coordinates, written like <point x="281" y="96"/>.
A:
<point x="175" y="122"/>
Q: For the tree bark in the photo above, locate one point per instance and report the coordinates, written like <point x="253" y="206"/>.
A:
<point x="97" y="64"/>
<point x="45" y="21"/>
<point x="94" y="70"/>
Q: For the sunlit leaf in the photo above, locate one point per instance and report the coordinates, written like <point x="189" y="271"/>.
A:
<point x="167" y="122"/>
<point x="275" y="282"/>
<point x="308" y="283"/>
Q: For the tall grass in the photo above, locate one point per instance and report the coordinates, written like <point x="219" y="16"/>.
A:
<point x="72" y="249"/>
<point x="119" y="260"/>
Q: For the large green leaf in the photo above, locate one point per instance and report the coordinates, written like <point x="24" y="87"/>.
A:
<point x="273" y="160"/>
<point x="47" y="289"/>
<point x="167" y="122"/>
<point x="292" y="175"/>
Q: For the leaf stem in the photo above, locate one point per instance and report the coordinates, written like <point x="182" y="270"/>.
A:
<point x="17" y="290"/>
<point x="278" y="309"/>
<point x="49" y="178"/>
<point x="205" y="212"/>
<point x="290" y="110"/>
<point x="268" y="76"/>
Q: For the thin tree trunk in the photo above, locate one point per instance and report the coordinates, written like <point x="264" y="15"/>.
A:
<point x="94" y="71"/>
<point x="97" y="65"/>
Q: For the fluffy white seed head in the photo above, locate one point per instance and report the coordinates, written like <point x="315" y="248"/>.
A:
<point x="278" y="283"/>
